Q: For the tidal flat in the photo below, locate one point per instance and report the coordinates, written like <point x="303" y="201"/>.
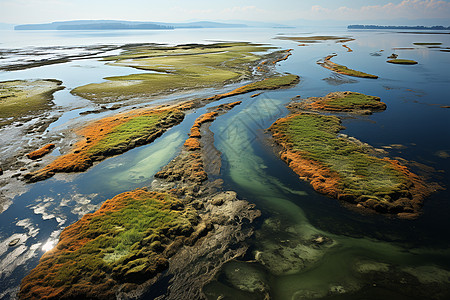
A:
<point x="327" y="63"/>
<point x="176" y="190"/>
<point x="175" y="68"/>
<point x="21" y="98"/>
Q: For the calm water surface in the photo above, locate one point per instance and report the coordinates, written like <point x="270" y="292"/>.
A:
<point x="287" y="266"/>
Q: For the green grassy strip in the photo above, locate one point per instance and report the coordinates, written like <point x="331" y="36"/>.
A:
<point x="343" y="69"/>
<point x="402" y="61"/>
<point x="137" y="127"/>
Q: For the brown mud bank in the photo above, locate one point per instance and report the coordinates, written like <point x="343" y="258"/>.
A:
<point x="178" y="232"/>
<point x="342" y="167"/>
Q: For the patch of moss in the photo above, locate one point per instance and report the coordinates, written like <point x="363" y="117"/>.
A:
<point x="175" y="68"/>
<point x="343" y="168"/>
<point x="272" y="83"/>
<point x="20" y="98"/>
<point x="402" y="61"/>
<point x="123" y="242"/>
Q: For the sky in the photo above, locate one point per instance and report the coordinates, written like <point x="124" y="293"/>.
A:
<point x="281" y="11"/>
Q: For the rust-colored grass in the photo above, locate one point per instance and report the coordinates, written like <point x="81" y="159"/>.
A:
<point x="348" y="48"/>
<point x="41" y="152"/>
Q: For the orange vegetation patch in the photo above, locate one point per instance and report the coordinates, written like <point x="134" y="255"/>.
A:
<point x="192" y="144"/>
<point x="196" y="172"/>
<point x="418" y="189"/>
<point x="321" y="178"/>
<point x="285" y="57"/>
<point x="124" y="243"/>
<point x="41" y="152"/>
<point x="191" y="168"/>
<point x="348" y="48"/>
<point x="207" y="117"/>
<point x="111" y="136"/>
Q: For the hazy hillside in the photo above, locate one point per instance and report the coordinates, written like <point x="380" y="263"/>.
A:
<point x="112" y="24"/>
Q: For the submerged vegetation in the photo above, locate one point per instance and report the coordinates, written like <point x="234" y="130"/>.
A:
<point x="175" y="68"/>
<point x="327" y="63"/>
<point x="127" y="241"/>
<point x="345" y="168"/>
<point x="20" y="98"/>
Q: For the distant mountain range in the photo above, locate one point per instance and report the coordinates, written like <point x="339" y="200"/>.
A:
<point x="123" y="25"/>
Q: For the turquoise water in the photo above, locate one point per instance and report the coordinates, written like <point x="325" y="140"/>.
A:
<point x="287" y="262"/>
